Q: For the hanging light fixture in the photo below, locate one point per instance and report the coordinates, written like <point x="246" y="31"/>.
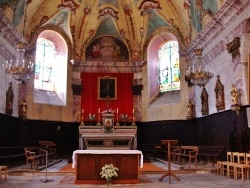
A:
<point x="19" y="69"/>
<point x="198" y="74"/>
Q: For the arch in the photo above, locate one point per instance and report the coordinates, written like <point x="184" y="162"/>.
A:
<point x="153" y="66"/>
<point x="51" y="90"/>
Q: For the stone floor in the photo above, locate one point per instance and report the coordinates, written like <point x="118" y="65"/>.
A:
<point x="202" y="176"/>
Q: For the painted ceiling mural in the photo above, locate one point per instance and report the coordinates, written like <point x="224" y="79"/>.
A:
<point x="131" y="22"/>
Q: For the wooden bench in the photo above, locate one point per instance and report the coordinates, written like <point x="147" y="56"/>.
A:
<point x="190" y="152"/>
<point x="210" y="152"/>
<point x="50" y="147"/>
<point x="35" y="156"/>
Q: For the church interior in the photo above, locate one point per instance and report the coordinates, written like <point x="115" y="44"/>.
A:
<point x="124" y="75"/>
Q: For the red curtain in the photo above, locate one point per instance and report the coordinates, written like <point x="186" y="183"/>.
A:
<point x="124" y="101"/>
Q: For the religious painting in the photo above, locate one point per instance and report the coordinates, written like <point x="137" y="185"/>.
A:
<point x="107" y="48"/>
<point x="107" y="88"/>
<point x="219" y="94"/>
<point x="204" y="102"/>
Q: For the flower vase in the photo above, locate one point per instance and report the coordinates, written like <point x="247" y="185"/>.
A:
<point x="109" y="182"/>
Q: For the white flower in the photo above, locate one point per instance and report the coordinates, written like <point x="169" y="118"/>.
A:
<point x="109" y="171"/>
<point x="92" y="117"/>
<point x="124" y="116"/>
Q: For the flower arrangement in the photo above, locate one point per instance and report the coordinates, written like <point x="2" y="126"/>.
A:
<point x="109" y="171"/>
<point x="108" y="111"/>
<point x="124" y="117"/>
<point x="92" y="117"/>
<point x="108" y="126"/>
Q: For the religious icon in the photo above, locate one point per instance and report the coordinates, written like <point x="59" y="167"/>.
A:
<point x="234" y="94"/>
<point x="9" y="100"/>
<point x="107" y="88"/>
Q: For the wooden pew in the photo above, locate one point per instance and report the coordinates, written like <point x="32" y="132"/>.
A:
<point x="210" y="152"/>
<point x="190" y="152"/>
<point x="50" y="147"/>
<point x="35" y="156"/>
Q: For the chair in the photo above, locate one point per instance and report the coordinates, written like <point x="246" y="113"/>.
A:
<point x="242" y="169"/>
<point x="223" y="166"/>
<point x="193" y="155"/>
<point x="30" y="157"/>
<point x="3" y="169"/>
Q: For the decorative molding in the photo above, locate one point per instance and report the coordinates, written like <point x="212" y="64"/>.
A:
<point x="112" y="67"/>
<point x="222" y="19"/>
<point x="233" y="47"/>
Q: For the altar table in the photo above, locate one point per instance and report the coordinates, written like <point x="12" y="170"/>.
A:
<point x="89" y="163"/>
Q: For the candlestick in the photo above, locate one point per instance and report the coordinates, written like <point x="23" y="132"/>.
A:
<point x="98" y="123"/>
<point x="117" y="122"/>
<point x="133" y="116"/>
<point x="82" y="116"/>
<point x="117" y="110"/>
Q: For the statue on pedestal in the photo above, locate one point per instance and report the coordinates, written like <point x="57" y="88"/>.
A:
<point x="23" y="110"/>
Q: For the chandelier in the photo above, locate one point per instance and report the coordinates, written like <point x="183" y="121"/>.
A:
<point x="198" y="74"/>
<point x="20" y="69"/>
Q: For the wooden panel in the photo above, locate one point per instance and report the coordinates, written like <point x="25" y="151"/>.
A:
<point x="89" y="167"/>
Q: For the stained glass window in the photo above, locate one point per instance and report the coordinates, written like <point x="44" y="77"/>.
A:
<point x="169" y="66"/>
<point x="45" y="56"/>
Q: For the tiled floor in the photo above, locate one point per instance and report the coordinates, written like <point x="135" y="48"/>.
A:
<point x="200" y="178"/>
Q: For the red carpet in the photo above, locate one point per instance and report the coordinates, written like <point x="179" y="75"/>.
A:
<point x="147" y="167"/>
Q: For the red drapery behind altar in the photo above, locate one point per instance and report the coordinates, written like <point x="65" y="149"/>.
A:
<point x="124" y="101"/>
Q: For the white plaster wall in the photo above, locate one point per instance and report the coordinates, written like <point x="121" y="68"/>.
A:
<point x="4" y="85"/>
<point x="223" y="65"/>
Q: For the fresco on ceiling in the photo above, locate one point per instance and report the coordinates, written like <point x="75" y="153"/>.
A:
<point x="201" y="8"/>
<point x="109" y="2"/>
<point x="107" y="27"/>
<point x="17" y="8"/>
<point x="155" y="22"/>
<point x="107" y="48"/>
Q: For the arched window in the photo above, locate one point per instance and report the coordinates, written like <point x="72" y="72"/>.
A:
<point x="164" y="70"/>
<point x="44" y="74"/>
<point x="169" y="71"/>
<point x="50" y="81"/>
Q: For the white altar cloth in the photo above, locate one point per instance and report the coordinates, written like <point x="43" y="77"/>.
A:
<point x="105" y="152"/>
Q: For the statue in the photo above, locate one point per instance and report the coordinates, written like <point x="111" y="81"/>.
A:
<point x="23" y="110"/>
<point x="9" y="100"/>
<point x="190" y="110"/>
<point x="234" y="94"/>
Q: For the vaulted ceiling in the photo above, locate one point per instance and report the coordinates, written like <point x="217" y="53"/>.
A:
<point x="134" y="22"/>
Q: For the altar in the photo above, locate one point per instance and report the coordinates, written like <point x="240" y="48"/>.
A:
<point x="121" y="138"/>
<point x="89" y="163"/>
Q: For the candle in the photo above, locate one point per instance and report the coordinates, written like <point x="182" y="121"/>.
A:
<point x="99" y="110"/>
<point x="82" y="111"/>
<point x="117" y="110"/>
<point x="133" y="110"/>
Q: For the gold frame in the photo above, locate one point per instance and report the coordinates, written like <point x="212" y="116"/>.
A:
<point x="111" y="83"/>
